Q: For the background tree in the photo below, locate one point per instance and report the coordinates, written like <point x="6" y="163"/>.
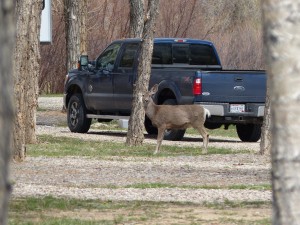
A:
<point x="135" y="134"/>
<point x="225" y="23"/>
<point x="137" y="12"/>
<point x="178" y="18"/>
<point x="282" y="40"/>
<point x="83" y="26"/>
<point x="72" y="26"/>
<point x="26" y="72"/>
<point x="75" y="16"/>
<point x="266" y="134"/>
<point x="7" y="33"/>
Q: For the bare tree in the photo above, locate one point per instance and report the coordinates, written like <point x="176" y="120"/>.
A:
<point x="137" y="12"/>
<point x="26" y="72"/>
<point x="266" y="135"/>
<point x="135" y="135"/>
<point x="225" y="23"/>
<point x="83" y="26"/>
<point x="282" y="40"/>
<point x="178" y="18"/>
<point x="76" y="31"/>
<point x="7" y="25"/>
<point x="72" y="26"/>
<point x="54" y="54"/>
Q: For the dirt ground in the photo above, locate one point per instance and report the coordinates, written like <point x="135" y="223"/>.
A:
<point x="183" y="214"/>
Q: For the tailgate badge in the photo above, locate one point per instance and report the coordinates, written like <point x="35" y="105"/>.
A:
<point x="205" y="93"/>
<point x="239" y="88"/>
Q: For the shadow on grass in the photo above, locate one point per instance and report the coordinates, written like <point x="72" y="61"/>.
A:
<point x="148" y="136"/>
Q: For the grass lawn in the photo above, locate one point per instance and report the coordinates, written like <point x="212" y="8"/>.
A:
<point x="59" y="211"/>
<point x="64" y="146"/>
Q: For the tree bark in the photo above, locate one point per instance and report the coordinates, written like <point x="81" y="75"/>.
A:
<point x="72" y="21"/>
<point x="137" y="12"/>
<point x="266" y="135"/>
<point x="75" y="16"/>
<point x="26" y="71"/>
<point x="83" y="27"/>
<point x="282" y="36"/>
<point x="7" y="34"/>
<point x="135" y="134"/>
<point x="32" y="90"/>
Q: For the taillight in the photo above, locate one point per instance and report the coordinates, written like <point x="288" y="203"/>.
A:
<point x="197" y="87"/>
<point x="180" y="40"/>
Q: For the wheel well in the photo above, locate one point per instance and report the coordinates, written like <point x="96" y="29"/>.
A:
<point x="74" y="89"/>
<point x="165" y="94"/>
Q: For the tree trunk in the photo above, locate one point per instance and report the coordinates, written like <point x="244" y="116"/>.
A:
<point x="282" y="29"/>
<point x="72" y="21"/>
<point x="7" y="34"/>
<point x="137" y="13"/>
<point x="26" y="72"/>
<point x="75" y="16"/>
<point x="135" y="134"/>
<point x="83" y="27"/>
<point x="266" y="135"/>
<point x="32" y="90"/>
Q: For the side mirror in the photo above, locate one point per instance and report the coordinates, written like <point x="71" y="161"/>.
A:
<point x="92" y="63"/>
<point x="83" y="62"/>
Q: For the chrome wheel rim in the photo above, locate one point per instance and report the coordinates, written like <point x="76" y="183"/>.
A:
<point x="74" y="114"/>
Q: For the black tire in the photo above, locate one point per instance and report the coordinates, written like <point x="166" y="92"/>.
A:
<point x="248" y="132"/>
<point x="173" y="135"/>
<point x="76" y="115"/>
<point x="149" y="127"/>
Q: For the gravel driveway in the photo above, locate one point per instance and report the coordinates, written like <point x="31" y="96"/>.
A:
<point x="108" y="178"/>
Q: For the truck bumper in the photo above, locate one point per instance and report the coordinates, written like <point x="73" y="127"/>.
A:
<point x="221" y="112"/>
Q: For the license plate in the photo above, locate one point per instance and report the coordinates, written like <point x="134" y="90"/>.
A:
<point x="237" y="108"/>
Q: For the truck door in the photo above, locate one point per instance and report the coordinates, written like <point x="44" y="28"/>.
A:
<point x="124" y="78"/>
<point x="100" y="84"/>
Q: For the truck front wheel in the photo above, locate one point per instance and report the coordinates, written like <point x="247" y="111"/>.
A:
<point x="76" y="115"/>
<point x="248" y="132"/>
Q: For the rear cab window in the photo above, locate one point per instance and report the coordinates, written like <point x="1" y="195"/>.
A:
<point x="184" y="53"/>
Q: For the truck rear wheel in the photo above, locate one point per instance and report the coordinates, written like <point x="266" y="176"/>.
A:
<point x="76" y="115"/>
<point x="248" y="132"/>
<point x="173" y="135"/>
<point x="149" y="127"/>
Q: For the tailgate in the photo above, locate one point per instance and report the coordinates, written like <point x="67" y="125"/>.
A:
<point x="233" y="86"/>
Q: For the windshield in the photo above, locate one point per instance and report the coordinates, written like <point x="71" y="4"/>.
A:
<point x="107" y="59"/>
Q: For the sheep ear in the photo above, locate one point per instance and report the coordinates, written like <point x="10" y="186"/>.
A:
<point x="154" y="89"/>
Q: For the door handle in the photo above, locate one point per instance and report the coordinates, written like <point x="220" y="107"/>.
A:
<point x="238" y="79"/>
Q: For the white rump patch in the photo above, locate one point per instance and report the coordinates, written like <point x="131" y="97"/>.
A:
<point x="207" y="113"/>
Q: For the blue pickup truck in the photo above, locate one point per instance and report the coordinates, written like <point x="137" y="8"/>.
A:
<point x="188" y="71"/>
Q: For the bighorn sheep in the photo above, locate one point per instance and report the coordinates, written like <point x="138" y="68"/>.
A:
<point x="175" y="117"/>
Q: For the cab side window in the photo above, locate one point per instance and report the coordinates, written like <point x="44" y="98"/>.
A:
<point x="107" y="59"/>
<point x="127" y="59"/>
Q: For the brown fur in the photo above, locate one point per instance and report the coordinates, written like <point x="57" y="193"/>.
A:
<point x="175" y="117"/>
